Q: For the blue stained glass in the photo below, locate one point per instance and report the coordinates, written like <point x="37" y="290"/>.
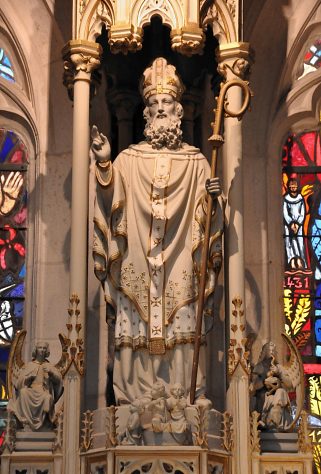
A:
<point x="5" y="73"/>
<point x="4" y="354"/>
<point x="317" y="328"/>
<point x="6" y="281"/>
<point x="318" y="351"/>
<point x="22" y="273"/>
<point x="17" y="291"/>
<point x="18" y="308"/>
<point x="313" y="420"/>
<point x="7" y="146"/>
<point x="6" y="70"/>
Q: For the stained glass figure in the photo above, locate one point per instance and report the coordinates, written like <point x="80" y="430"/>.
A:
<point x="312" y="58"/>
<point x="301" y="183"/>
<point x="13" y="221"/>
<point x="294" y="215"/>
<point x="6" y="322"/>
<point x="6" y="69"/>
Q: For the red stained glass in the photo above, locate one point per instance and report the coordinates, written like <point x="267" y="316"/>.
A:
<point x="307" y="326"/>
<point x="19" y="156"/>
<point x="297" y="157"/>
<point x="312" y="369"/>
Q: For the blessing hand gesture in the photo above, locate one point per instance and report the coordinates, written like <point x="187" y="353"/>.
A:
<point x="100" y="148"/>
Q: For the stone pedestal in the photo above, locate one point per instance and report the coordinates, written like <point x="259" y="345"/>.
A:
<point x="155" y="460"/>
<point x="208" y="450"/>
<point x="34" y="441"/>
<point x="282" y="463"/>
<point x="279" y="442"/>
<point x="37" y="462"/>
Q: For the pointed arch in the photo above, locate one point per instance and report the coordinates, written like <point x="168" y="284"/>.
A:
<point x="221" y="15"/>
<point x="96" y="14"/>
<point x="170" y="12"/>
<point x="11" y="45"/>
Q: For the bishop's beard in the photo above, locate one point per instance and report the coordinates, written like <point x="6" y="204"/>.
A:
<point x="161" y="133"/>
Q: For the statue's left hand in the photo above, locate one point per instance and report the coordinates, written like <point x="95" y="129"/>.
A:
<point x="213" y="187"/>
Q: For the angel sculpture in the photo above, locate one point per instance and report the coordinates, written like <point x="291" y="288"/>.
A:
<point x="34" y="388"/>
<point x="270" y="386"/>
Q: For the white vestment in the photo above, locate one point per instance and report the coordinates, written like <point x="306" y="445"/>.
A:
<point x="294" y="213"/>
<point x="149" y="226"/>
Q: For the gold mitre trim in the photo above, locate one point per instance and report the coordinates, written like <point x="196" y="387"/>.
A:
<point x="161" y="78"/>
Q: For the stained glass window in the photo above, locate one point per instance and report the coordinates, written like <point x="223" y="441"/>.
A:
<point x="6" y="70"/>
<point x="312" y="58"/>
<point x="301" y="183"/>
<point x="13" y="219"/>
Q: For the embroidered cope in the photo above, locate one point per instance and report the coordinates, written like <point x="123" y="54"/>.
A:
<point x="149" y="226"/>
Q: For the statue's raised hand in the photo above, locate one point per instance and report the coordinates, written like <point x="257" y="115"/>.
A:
<point x="9" y="191"/>
<point x="12" y="185"/>
<point x="100" y="148"/>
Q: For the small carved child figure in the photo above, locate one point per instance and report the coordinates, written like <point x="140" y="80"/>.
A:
<point x="158" y="406"/>
<point x="176" y="405"/>
<point x="276" y="413"/>
<point x="133" y="432"/>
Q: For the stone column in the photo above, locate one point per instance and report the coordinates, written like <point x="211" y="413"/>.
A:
<point x="233" y="60"/>
<point x="124" y="103"/>
<point x="81" y="58"/>
<point x="191" y="101"/>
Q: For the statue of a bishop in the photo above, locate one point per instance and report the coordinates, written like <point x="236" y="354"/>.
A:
<point x="149" y="227"/>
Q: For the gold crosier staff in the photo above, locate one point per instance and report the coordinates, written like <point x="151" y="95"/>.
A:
<point x="217" y="140"/>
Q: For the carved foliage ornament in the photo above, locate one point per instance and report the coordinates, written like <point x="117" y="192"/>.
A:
<point x="125" y="39"/>
<point x="227" y="432"/>
<point x="72" y="344"/>
<point x="188" y="42"/>
<point x="239" y="68"/>
<point x="238" y="352"/>
<point x="255" y="433"/>
<point x="87" y="431"/>
<point x="79" y="63"/>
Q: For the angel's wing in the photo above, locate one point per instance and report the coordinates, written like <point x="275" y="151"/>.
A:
<point x="15" y="362"/>
<point x="65" y="343"/>
<point x="295" y="371"/>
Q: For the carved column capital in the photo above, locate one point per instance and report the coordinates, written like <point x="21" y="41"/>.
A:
<point x="81" y="61"/>
<point x="125" y="38"/>
<point x="234" y="60"/>
<point x="188" y="40"/>
<point x="123" y="103"/>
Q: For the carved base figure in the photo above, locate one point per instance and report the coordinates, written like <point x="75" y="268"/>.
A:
<point x="157" y="418"/>
<point x="36" y="388"/>
<point x="271" y="382"/>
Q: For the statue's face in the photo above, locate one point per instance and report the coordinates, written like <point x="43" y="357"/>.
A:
<point x="271" y="350"/>
<point x="41" y="351"/>
<point x="162" y="107"/>
<point x="293" y="187"/>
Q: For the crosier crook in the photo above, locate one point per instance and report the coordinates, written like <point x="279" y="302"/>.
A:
<point x="217" y="141"/>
